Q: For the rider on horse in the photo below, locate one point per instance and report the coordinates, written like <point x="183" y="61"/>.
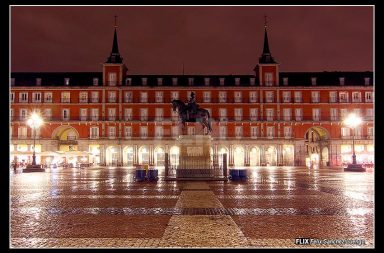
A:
<point x="192" y="106"/>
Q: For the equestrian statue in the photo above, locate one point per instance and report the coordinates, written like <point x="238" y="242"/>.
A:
<point x="191" y="112"/>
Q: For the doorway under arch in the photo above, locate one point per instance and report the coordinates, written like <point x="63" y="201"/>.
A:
<point x="254" y="156"/>
<point x="271" y="156"/>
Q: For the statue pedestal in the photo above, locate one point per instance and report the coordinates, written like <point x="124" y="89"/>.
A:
<point x="194" y="156"/>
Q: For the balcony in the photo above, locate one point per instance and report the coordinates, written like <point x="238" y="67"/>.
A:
<point x="71" y="140"/>
<point x="112" y="100"/>
<point x="83" y="100"/>
<point x="65" y="100"/>
<point x="95" y="100"/>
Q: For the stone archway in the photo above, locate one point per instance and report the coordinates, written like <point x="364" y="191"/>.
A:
<point x="238" y="156"/>
<point x="316" y="139"/>
<point x="65" y="133"/>
<point x="128" y="154"/>
<point x="159" y="156"/>
<point x="254" y="156"/>
<point x="221" y="151"/>
<point x="143" y="155"/>
<point x="111" y="156"/>
<point x="174" y="155"/>
<point x="271" y="156"/>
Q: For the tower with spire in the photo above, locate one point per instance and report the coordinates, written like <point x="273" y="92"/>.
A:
<point x="267" y="70"/>
<point x="114" y="70"/>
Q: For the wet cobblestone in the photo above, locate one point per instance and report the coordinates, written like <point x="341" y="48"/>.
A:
<point x="106" y="208"/>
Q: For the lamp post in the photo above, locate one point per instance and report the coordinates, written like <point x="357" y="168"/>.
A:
<point x="352" y="121"/>
<point x="34" y="122"/>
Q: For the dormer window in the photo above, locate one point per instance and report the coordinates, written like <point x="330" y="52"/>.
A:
<point x="367" y="80"/>
<point x="221" y="81"/>
<point x="190" y="81"/>
<point x="38" y="81"/>
<point x="237" y="81"/>
<point x="128" y="81"/>
<point x="174" y="81"/>
<point x="66" y="81"/>
<point x="252" y="81"/>
<point x="206" y="81"/>
<point x="268" y="79"/>
<point x="159" y="81"/>
<point x="313" y="80"/>
<point x="285" y="81"/>
<point x="144" y="81"/>
<point x="95" y="81"/>
<point x="341" y="79"/>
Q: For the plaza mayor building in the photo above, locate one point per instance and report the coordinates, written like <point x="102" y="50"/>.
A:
<point x="270" y="118"/>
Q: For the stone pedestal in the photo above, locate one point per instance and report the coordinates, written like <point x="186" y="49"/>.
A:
<point x="355" y="167"/>
<point x="34" y="168"/>
<point x="194" y="156"/>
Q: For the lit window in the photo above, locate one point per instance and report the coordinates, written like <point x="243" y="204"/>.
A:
<point x="159" y="81"/>
<point x="313" y="80"/>
<point x="128" y="97"/>
<point x="341" y="80"/>
<point x="207" y="96"/>
<point x="95" y="81"/>
<point x="66" y="81"/>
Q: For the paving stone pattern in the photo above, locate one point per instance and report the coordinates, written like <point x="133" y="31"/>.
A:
<point x="105" y="208"/>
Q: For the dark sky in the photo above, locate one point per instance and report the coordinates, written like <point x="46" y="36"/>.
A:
<point x="209" y="40"/>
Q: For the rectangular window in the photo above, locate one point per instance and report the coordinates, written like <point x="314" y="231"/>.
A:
<point x="299" y="114"/>
<point x="239" y="131"/>
<point x="112" y="79"/>
<point x="95" y="114"/>
<point x="333" y="96"/>
<point x="23" y="114"/>
<point x="128" y="97"/>
<point x="83" y="114"/>
<point x="48" y="97"/>
<point x="286" y="96"/>
<point x="370" y="132"/>
<point x="174" y="95"/>
<point x="174" y="115"/>
<point x="222" y="96"/>
<point x="298" y="97"/>
<point x="23" y="97"/>
<point x="127" y="114"/>
<point x="206" y="81"/>
<point x="112" y="96"/>
<point x="254" y="132"/>
<point x="159" y="97"/>
<point x="12" y="98"/>
<point x="315" y="97"/>
<point x="127" y="132"/>
<point x="369" y="114"/>
<point x="11" y="114"/>
<point x="223" y="114"/>
<point x="112" y="132"/>
<point x="191" y="130"/>
<point x="207" y="96"/>
<point x="143" y="114"/>
<point x="345" y="132"/>
<point x="221" y="80"/>
<point x="83" y="97"/>
<point x="159" y="114"/>
<point x="159" y="131"/>
<point x="174" y="81"/>
<point x="367" y="80"/>
<point x="159" y="81"/>
<point x="111" y="114"/>
<point x="66" y="81"/>
<point x="356" y="97"/>
<point x="368" y="97"/>
<point x="95" y="97"/>
<point x="269" y="112"/>
<point x="357" y="132"/>
<point x="313" y="80"/>
<point x="252" y="81"/>
<point x="144" y="81"/>
<point x="238" y="96"/>
<point x="13" y="81"/>
<point x="237" y="81"/>
<point x="333" y="113"/>
<point x="253" y="113"/>
<point x="95" y="81"/>
<point x="144" y="97"/>
<point x="22" y="132"/>
<point x="287" y="114"/>
<point x="238" y="114"/>
<point x="36" y="97"/>
<point x="342" y="80"/>
<point x="223" y="131"/>
<point x="47" y="113"/>
<point x="268" y="79"/>
<point x="94" y="132"/>
<point x="269" y="97"/>
<point x="144" y="132"/>
<point x="270" y="132"/>
<point x="287" y="132"/>
<point x="65" y="114"/>
<point x="285" y="81"/>
<point x="315" y="114"/>
<point x="343" y="113"/>
<point x="190" y="81"/>
<point x="357" y="111"/>
<point x="65" y="97"/>
<point x="253" y="96"/>
<point x="343" y="97"/>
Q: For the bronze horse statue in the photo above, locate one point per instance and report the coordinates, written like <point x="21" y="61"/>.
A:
<point x="201" y="115"/>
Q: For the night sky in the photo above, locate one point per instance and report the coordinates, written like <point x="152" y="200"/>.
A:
<point x="209" y="40"/>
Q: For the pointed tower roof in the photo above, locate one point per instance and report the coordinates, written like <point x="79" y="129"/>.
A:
<point x="115" y="56"/>
<point x="266" y="57"/>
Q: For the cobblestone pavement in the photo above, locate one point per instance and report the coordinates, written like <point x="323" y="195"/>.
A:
<point x="106" y="208"/>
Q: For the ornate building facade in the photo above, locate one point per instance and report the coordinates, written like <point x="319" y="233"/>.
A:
<point x="271" y="118"/>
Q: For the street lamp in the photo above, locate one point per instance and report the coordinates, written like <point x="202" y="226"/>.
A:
<point x="34" y="122"/>
<point x="352" y="121"/>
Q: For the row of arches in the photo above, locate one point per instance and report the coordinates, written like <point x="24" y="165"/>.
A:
<point x="252" y="156"/>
